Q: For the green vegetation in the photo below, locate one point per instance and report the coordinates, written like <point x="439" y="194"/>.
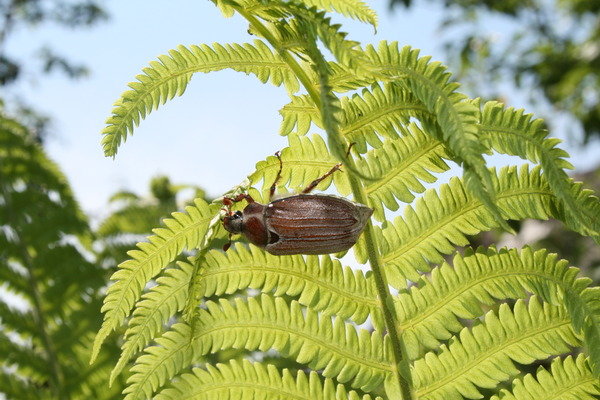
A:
<point x="459" y="322"/>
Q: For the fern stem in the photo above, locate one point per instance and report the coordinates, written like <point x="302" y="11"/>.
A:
<point x="38" y="313"/>
<point x="289" y="59"/>
<point x="319" y="97"/>
<point x="57" y="377"/>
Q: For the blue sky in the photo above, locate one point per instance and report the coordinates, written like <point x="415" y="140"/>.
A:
<point x="214" y="134"/>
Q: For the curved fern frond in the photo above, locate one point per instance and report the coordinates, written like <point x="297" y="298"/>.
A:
<point x="399" y="167"/>
<point x="311" y="19"/>
<point x="169" y="76"/>
<point x="376" y="112"/>
<point x="514" y="132"/>
<point x="586" y="319"/>
<point x="442" y="218"/>
<point x="305" y="160"/>
<point x="569" y="379"/>
<point x="183" y="231"/>
<point x="355" y="9"/>
<point x="244" y="379"/>
<point x="299" y="114"/>
<point x="430" y="311"/>
<point x="379" y="112"/>
<point x="483" y="356"/>
<point x="355" y="356"/>
<point x="320" y="283"/>
<point x="153" y="311"/>
<point x="456" y="117"/>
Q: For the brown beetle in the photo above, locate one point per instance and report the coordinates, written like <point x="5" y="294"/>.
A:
<point x="300" y="224"/>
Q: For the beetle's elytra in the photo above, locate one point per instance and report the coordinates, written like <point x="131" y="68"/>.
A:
<point x="300" y="224"/>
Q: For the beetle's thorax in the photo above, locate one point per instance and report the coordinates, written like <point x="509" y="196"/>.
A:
<point x="254" y="226"/>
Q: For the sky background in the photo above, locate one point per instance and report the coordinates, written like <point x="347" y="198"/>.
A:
<point x="214" y="134"/>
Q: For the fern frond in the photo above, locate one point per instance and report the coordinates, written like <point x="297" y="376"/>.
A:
<point x="15" y="388"/>
<point x="456" y="117"/>
<point x="398" y="168"/>
<point x="169" y="76"/>
<point x="305" y="160"/>
<point x="245" y="379"/>
<point x="355" y="356"/>
<point x="134" y="218"/>
<point x="379" y="112"/>
<point x="568" y="379"/>
<point x="355" y="9"/>
<point x="299" y="114"/>
<point x="429" y="312"/>
<point x="442" y="218"/>
<point x="513" y="132"/>
<point x="153" y="311"/>
<point x="483" y="356"/>
<point x="183" y="231"/>
<point x="586" y="319"/>
<point x="376" y="112"/>
<point x="16" y="320"/>
<point x="310" y="19"/>
<point x="317" y="282"/>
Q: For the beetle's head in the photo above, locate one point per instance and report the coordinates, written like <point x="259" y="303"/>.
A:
<point x="234" y="223"/>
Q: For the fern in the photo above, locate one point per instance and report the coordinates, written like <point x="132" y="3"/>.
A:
<point x="305" y="160"/>
<point x="442" y="218"/>
<point x="253" y="380"/>
<point x="569" y="379"/>
<point x="399" y="167"/>
<point x="486" y="351"/>
<point x="360" y="358"/>
<point x="156" y="307"/>
<point x="351" y="8"/>
<point x="513" y="132"/>
<point x="321" y="284"/>
<point x="376" y="112"/>
<point x="459" y="323"/>
<point x="46" y="268"/>
<point x="429" y="312"/>
<point x="169" y="76"/>
<point x="183" y="231"/>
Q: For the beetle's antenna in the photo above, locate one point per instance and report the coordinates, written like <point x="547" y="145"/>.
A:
<point x="278" y="177"/>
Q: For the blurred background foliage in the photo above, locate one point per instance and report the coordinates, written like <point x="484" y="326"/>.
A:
<point x="55" y="264"/>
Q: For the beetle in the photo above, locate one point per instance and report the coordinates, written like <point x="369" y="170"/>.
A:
<point x="300" y="224"/>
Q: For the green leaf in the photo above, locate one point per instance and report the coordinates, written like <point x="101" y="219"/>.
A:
<point x="251" y="380"/>
<point x="355" y="356"/>
<point x="169" y="76"/>
<point x="483" y="356"/>
<point x="571" y="379"/>
<point x="183" y="231"/>
<point x="429" y="312"/>
<point x="320" y="283"/>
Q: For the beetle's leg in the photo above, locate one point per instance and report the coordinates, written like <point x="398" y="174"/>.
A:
<point x="314" y="183"/>
<point x="227" y="245"/>
<point x="336" y="167"/>
<point x="349" y="148"/>
<point x="228" y="201"/>
<point x="277" y="178"/>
